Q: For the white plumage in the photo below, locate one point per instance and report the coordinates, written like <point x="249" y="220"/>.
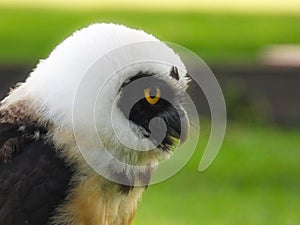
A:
<point x="58" y="76"/>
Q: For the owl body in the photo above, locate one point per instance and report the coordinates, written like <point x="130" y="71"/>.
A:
<point x="53" y="168"/>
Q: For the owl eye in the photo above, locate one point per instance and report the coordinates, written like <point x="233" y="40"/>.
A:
<point x="152" y="95"/>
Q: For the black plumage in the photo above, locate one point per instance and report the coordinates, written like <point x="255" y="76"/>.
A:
<point x="33" y="182"/>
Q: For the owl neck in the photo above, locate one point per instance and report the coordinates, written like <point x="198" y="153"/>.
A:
<point x="92" y="199"/>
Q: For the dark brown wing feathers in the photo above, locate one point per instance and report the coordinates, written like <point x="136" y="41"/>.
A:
<point x="33" y="180"/>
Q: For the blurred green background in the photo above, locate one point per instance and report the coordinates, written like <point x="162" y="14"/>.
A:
<point x="256" y="177"/>
<point x="218" y="37"/>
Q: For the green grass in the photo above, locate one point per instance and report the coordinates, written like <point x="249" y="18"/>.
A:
<point x="30" y="34"/>
<point x="254" y="180"/>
